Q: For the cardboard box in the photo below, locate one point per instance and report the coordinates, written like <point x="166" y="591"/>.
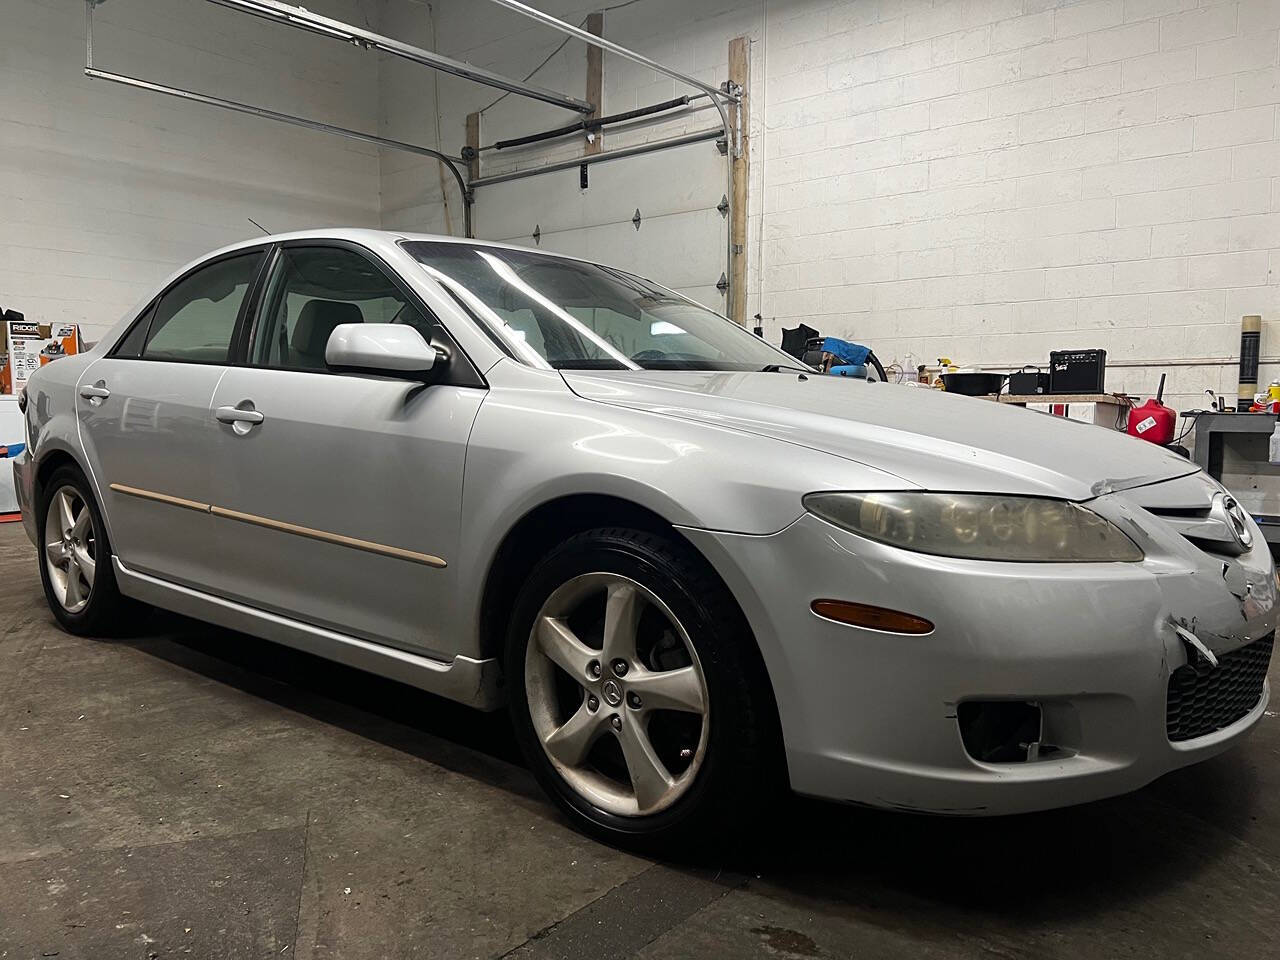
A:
<point x="28" y="346"/>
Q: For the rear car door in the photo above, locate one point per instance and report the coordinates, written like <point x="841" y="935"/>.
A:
<point x="338" y="495"/>
<point x="144" y="418"/>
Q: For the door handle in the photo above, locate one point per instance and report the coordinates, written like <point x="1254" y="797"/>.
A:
<point x="96" y="393"/>
<point x="242" y="418"/>
<point x="237" y="415"/>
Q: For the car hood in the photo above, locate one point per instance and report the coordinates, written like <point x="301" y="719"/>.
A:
<point x="927" y="438"/>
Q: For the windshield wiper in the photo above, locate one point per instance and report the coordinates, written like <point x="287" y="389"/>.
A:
<point x="779" y="367"/>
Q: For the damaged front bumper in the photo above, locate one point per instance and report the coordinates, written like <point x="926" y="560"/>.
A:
<point x="875" y="717"/>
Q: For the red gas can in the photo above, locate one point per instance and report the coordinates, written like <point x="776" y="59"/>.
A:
<point x="1153" y="421"/>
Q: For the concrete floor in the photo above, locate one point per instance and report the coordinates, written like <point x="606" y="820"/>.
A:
<point x="196" y="792"/>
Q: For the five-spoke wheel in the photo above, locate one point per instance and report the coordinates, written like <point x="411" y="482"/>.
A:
<point x="637" y="692"/>
<point x="70" y="548"/>
<point x="75" y="556"/>
<point x="616" y="694"/>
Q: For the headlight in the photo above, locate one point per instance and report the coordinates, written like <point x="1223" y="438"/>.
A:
<point x="977" y="526"/>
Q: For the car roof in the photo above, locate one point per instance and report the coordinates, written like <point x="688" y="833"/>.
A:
<point x="366" y="236"/>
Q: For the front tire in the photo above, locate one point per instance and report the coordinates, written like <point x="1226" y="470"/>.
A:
<point x="75" y="556"/>
<point x="637" y="693"/>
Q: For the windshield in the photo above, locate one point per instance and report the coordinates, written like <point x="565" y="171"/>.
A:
<point x="570" y="315"/>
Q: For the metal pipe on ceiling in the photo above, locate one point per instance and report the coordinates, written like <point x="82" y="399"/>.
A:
<point x="266" y="114"/>
<point x="572" y="164"/>
<point x="450" y="162"/>
<point x="590" y="125"/>
<point x="304" y="19"/>
<point x="587" y="37"/>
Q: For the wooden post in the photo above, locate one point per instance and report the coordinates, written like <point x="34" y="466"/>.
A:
<point x="595" y="79"/>
<point x="473" y="141"/>
<point x="739" y="75"/>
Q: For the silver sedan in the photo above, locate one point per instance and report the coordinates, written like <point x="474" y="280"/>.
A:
<point x="696" y="572"/>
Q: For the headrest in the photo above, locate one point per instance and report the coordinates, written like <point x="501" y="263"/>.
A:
<point x="316" y="321"/>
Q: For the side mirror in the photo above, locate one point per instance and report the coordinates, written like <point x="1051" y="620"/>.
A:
<point x="392" y="349"/>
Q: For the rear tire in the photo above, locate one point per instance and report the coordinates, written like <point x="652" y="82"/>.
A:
<point x="637" y="693"/>
<point x="75" y="557"/>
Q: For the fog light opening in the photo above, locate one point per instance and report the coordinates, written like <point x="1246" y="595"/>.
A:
<point x="1003" y="731"/>
<point x="872" y="617"/>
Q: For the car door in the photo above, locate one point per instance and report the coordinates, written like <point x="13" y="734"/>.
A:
<point x="144" y="418"/>
<point x="338" y="495"/>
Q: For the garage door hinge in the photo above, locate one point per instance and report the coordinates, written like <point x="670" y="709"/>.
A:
<point x="537" y="234"/>
<point x="635" y="220"/>
<point x="723" y="283"/>
<point x="723" y="206"/>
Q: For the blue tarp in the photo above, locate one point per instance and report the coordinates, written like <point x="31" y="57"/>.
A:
<point x="852" y="354"/>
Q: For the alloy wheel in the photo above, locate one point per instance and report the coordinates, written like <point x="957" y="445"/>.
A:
<point x="616" y="693"/>
<point x="70" y="548"/>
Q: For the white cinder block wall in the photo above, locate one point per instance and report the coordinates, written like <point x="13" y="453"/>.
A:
<point x="993" y="179"/>
<point x="105" y="190"/>
<point x="983" y="179"/>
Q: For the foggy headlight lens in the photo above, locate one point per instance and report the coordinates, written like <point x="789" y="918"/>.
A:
<point x="977" y="526"/>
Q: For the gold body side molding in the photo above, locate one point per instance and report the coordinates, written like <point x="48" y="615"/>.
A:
<point x="324" y="536"/>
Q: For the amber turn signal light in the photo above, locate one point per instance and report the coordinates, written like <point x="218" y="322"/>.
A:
<point x="865" y="615"/>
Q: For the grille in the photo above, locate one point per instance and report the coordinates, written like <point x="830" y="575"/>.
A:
<point x="1203" y="699"/>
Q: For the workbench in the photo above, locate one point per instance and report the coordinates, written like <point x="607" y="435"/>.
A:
<point x="1102" y="409"/>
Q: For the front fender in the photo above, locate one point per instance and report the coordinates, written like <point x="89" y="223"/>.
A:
<point x="535" y="441"/>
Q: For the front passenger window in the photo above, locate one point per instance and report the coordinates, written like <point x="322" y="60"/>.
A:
<point x="196" y="319"/>
<point x="312" y="290"/>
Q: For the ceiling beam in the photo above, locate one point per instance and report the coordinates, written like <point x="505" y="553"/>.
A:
<point x="300" y="17"/>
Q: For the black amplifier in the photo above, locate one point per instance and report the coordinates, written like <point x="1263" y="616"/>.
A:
<point x="1077" y="371"/>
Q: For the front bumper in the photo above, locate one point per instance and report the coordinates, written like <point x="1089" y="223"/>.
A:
<point x="871" y="717"/>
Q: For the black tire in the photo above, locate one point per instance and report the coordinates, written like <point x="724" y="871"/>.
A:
<point x="105" y="612"/>
<point x="742" y="773"/>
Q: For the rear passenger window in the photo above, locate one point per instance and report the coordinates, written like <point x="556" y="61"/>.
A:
<point x="196" y="318"/>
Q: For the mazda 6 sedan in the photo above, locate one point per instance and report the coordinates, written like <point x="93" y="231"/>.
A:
<point x="695" y="572"/>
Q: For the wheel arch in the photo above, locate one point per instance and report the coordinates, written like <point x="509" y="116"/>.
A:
<point x="49" y="462"/>
<point x="552" y="522"/>
<point x="532" y="536"/>
<point x="55" y="454"/>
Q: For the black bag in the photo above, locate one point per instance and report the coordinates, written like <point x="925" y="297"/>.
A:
<point x="1028" y="381"/>
<point x="794" y="341"/>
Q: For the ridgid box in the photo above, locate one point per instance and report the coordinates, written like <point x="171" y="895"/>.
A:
<point x="29" y="345"/>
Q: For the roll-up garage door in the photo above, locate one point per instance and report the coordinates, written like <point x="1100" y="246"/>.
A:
<point x="680" y="240"/>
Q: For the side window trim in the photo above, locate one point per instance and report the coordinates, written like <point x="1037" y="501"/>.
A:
<point x="247" y="321"/>
<point x="470" y="376"/>
<point x="148" y="314"/>
<point x="143" y="321"/>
